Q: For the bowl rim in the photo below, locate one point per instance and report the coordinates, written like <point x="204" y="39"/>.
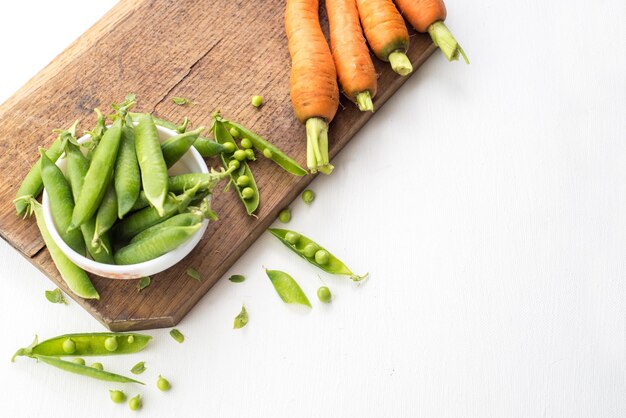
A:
<point x="130" y="271"/>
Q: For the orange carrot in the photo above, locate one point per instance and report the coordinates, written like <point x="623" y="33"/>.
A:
<point x="355" y="68"/>
<point x="314" y="90"/>
<point x="386" y="33"/>
<point x="428" y="16"/>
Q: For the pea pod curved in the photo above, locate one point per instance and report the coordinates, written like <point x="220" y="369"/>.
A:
<point x="151" y="162"/>
<point x="182" y="219"/>
<point x="287" y="288"/>
<point x="127" y="179"/>
<point x="106" y="215"/>
<point x="87" y="371"/>
<point x="207" y="181"/>
<point x="301" y="245"/>
<point x="175" y="147"/>
<point x="87" y="344"/>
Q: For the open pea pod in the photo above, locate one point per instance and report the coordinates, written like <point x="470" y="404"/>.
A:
<point x="90" y="344"/>
<point x="314" y="253"/>
<point x="88" y="371"/>
<point x="222" y="136"/>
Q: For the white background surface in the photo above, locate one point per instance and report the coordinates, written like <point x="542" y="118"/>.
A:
<point x="488" y="202"/>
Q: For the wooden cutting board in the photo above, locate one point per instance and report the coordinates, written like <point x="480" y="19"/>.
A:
<point x="215" y="53"/>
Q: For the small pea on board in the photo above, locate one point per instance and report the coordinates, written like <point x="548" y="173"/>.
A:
<point x="237" y="278"/>
<point x="143" y="283"/>
<point x="194" y="274"/>
<point x="55" y="296"/>
<point x="139" y="368"/>
<point x="287" y="288"/>
<point x="241" y="320"/>
<point x="177" y="336"/>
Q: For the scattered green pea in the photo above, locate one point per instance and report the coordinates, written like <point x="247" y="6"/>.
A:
<point x="292" y="237"/>
<point x="163" y="384"/>
<point x="322" y="257"/>
<point x="250" y="154"/>
<point x="229" y="147"/>
<point x="135" y="403"/>
<point x="308" y="196"/>
<point x="69" y="346"/>
<point x="79" y="360"/>
<point x="139" y="368"/>
<point x="111" y="344"/>
<point x="131" y="339"/>
<point x="117" y="396"/>
<point x="234" y="164"/>
<point x="268" y="153"/>
<point x="310" y="249"/>
<point x="239" y="155"/>
<point x="247" y="193"/>
<point x="177" y="335"/>
<point x="256" y="101"/>
<point x="245" y="142"/>
<point x="234" y="132"/>
<point x="98" y="366"/>
<point x="243" y="181"/>
<point x="285" y="215"/>
<point x="324" y="295"/>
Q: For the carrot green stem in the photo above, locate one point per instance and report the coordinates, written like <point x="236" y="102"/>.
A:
<point x="443" y="38"/>
<point x="364" y="101"/>
<point x="317" y="146"/>
<point x="400" y="63"/>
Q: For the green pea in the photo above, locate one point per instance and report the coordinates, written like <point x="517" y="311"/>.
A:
<point x="131" y="339"/>
<point x="268" y="153"/>
<point x="135" y="403"/>
<point x="98" y="366"/>
<point x="79" y="360"/>
<point x="310" y="249"/>
<point x="285" y="215"/>
<point x="234" y="164"/>
<point x="256" y="101"/>
<point x="240" y="155"/>
<point x="292" y="237"/>
<point x="234" y="132"/>
<point x="163" y="384"/>
<point x="308" y="196"/>
<point x="247" y="193"/>
<point x="69" y="346"/>
<point x="243" y="181"/>
<point x="117" y="396"/>
<point x="111" y="344"/>
<point x="229" y="147"/>
<point x="324" y="295"/>
<point x="322" y="257"/>
<point x="245" y="142"/>
<point x="250" y="154"/>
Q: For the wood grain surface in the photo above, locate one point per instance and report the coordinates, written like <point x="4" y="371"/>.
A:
<point x="216" y="54"/>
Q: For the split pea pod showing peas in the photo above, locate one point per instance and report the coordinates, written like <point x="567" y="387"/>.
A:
<point x="151" y="162"/>
<point x="61" y="203"/>
<point x="314" y="253"/>
<point x="80" y="369"/>
<point x="127" y="179"/>
<point x="75" y="170"/>
<point x="98" y="176"/>
<point x="163" y="241"/>
<point x="175" y="147"/>
<point x="249" y="195"/>
<point x="268" y="149"/>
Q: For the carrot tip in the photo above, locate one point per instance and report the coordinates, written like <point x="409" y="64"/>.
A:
<point x="364" y="101"/>
<point x="400" y="63"/>
<point x="443" y="38"/>
<point x="317" y="146"/>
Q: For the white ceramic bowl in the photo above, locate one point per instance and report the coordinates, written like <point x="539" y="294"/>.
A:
<point x="192" y="161"/>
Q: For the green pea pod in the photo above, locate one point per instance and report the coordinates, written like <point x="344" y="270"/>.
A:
<point x="251" y="203"/>
<point x="207" y="181"/>
<point x="182" y="219"/>
<point x="75" y="171"/>
<point x="175" y="147"/>
<point x="151" y="162"/>
<point x="61" y="203"/>
<point x="274" y="154"/>
<point x="287" y="288"/>
<point x="164" y="241"/>
<point x="87" y="344"/>
<point x="98" y="176"/>
<point x="141" y="203"/>
<point x="308" y="249"/>
<point x="32" y="185"/>
<point x="127" y="178"/>
<point x="145" y="218"/>
<point x="106" y="215"/>
<point x="87" y="371"/>
<point x="75" y="277"/>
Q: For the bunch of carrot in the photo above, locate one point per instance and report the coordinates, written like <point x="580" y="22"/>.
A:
<point x="316" y="67"/>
